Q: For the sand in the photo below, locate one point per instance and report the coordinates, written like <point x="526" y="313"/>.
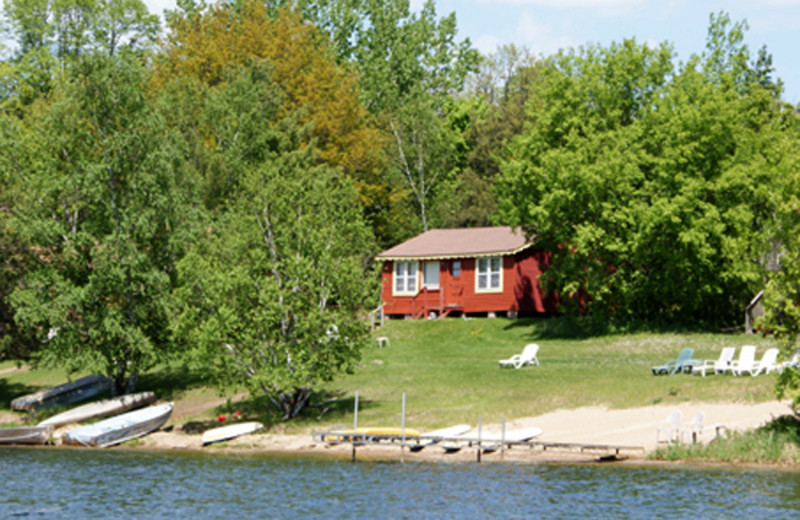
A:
<point x="636" y="427"/>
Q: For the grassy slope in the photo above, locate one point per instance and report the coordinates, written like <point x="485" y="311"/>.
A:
<point x="449" y="372"/>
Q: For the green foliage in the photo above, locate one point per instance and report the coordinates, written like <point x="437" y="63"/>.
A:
<point x="778" y="442"/>
<point x="272" y="295"/>
<point x="654" y="189"/>
<point x="103" y="213"/>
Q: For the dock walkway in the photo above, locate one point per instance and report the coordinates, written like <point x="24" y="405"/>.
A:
<point x="480" y="445"/>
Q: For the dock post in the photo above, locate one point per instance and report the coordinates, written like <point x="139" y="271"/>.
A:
<point x="403" y="429"/>
<point x="480" y="426"/>
<point x="503" y="441"/>
<point x="355" y="426"/>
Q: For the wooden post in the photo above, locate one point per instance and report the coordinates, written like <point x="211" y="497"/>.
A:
<point x="355" y="426"/>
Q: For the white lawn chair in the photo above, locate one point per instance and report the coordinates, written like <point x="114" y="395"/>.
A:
<point x="694" y="429"/>
<point x="768" y="363"/>
<point x="670" y="427"/>
<point x="747" y="358"/>
<point x="528" y="357"/>
<point x="717" y="366"/>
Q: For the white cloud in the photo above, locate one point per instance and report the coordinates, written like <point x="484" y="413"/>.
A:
<point x="539" y="38"/>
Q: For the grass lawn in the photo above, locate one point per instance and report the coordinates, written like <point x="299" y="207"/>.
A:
<point x="449" y="373"/>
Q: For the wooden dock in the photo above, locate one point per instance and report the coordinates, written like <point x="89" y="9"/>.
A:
<point x="480" y="445"/>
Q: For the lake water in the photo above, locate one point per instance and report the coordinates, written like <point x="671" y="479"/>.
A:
<point x="77" y="483"/>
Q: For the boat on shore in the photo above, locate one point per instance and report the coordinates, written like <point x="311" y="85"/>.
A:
<point x="121" y="428"/>
<point x="67" y="393"/>
<point x="225" y="433"/>
<point x="26" y="435"/>
<point x="101" y="409"/>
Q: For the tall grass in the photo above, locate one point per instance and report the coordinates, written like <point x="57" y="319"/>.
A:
<point x="778" y="442"/>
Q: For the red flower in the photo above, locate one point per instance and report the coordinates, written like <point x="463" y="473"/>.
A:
<point x="221" y="418"/>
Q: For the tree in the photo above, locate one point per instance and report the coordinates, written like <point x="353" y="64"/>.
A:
<point x="272" y="296"/>
<point x="653" y="190"/>
<point x="203" y="43"/>
<point x="52" y="34"/>
<point x="103" y="213"/>
<point x="410" y="66"/>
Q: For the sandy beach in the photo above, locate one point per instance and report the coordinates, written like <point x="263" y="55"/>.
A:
<point x="636" y="427"/>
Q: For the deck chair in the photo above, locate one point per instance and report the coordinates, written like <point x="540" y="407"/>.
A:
<point x="747" y="358"/>
<point x="716" y="366"/>
<point x="669" y="429"/>
<point x="528" y="357"/>
<point x="671" y="367"/>
<point x="694" y="429"/>
<point x="768" y="363"/>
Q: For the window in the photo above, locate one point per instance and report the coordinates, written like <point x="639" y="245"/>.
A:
<point x="456" y="268"/>
<point x="405" y="278"/>
<point x="430" y="275"/>
<point x="489" y="274"/>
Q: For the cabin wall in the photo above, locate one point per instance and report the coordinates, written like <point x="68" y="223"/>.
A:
<point x="521" y="292"/>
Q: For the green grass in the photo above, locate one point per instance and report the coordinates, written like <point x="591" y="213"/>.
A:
<point x="449" y="373"/>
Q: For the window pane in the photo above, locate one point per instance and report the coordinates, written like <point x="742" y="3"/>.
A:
<point x="481" y="281"/>
<point x="482" y="265"/>
<point x="456" y="269"/>
<point x="496" y="264"/>
<point x="398" y="284"/>
<point x="495" y="280"/>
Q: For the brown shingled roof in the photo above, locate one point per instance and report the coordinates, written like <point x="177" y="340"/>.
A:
<point x="459" y="243"/>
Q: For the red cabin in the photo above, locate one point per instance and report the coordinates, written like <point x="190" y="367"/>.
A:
<point x="467" y="271"/>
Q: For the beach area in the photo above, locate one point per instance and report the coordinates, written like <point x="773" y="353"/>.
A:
<point x="634" y="427"/>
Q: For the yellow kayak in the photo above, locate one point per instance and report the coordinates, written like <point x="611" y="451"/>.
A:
<point x="362" y="433"/>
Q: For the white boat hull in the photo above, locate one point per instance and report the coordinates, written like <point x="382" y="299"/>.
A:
<point x="121" y="428"/>
<point x="225" y="433"/>
<point x="101" y="409"/>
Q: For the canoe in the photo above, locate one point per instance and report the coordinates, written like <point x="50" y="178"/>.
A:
<point x="100" y="409"/>
<point x="68" y="393"/>
<point x="121" y="428"/>
<point x="26" y="435"/>
<point x="232" y="431"/>
<point x="428" y="438"/>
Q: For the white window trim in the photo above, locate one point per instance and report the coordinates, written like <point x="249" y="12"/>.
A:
<point x="416" y="278"/>
<point x="488" y="289"/>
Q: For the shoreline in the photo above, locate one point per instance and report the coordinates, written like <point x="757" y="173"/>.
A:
<point x="636" y="427"/>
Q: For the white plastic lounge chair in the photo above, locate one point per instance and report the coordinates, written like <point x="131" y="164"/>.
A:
<point x="694" y="429"/>
<point x="716" y="366"/>
<point x="670" y="428"/>
<point x="747" y="358"/>
<point x="528" y="357"/>
<point x="768" y="363"/>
